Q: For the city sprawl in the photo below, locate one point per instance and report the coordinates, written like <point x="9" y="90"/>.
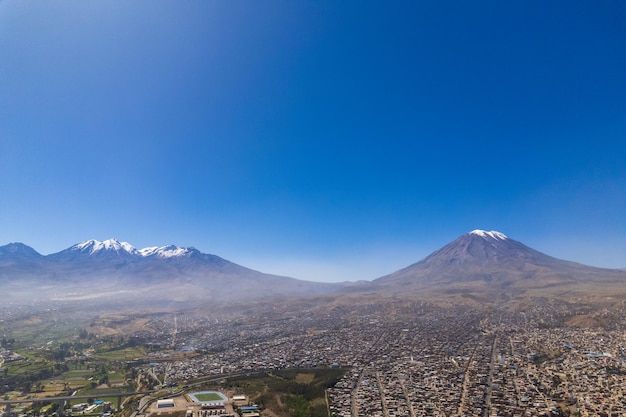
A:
<point x="416" y="359"/>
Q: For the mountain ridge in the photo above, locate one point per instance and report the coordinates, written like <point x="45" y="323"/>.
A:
<point x="485" y="265"/>
<point x="117" y="269"/>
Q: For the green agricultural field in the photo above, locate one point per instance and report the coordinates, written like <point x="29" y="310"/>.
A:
<point x="52" y="388"/>
<point x="115" y="378"/>
<point x="77" y="374"/>
<point x="119" y="355"/>
<point x="23" y="367"/>
<point x="74" y="385"/>
<point x="104" y="394"/>
<point x="41" y="331"/>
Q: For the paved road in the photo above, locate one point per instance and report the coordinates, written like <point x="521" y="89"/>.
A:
<point x="492" y="365"/>
<point x="32" y="400"/>
<point x="406" y="395"/>
<point x="383" y="400"/>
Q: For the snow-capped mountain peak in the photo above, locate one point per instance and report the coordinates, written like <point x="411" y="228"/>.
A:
<point x="93" y="246"/>
<point x="491" y="234"/>
<point x="149" y="251"/>
<point x="170" y="251"/>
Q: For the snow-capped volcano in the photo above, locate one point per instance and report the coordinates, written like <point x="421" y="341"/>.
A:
<point x="94" y="267"/>
<point x="115" y="247"/>
<point x="489" y="235"/>
<point x="93" y="246"/>
<point x="481" y="247"/>
<point x="485" y="261"/>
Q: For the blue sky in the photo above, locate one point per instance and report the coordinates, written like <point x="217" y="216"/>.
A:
<point x="317" y="139"/>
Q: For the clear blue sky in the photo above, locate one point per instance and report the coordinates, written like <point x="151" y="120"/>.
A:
<point x="324" y="140"/>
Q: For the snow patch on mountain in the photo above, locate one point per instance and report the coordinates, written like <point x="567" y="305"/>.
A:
<point x="491" y="234"/>
<point x="93" y="246"/>
<point x="149" y="251"/>
<point x="163" y="251"/>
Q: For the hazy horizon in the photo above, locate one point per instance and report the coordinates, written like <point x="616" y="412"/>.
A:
<point x="368" y="265"/>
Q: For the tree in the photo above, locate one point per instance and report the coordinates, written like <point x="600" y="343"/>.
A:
<point x="27" y="386"/>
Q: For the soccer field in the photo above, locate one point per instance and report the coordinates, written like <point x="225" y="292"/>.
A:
<point x="207" y="396"/>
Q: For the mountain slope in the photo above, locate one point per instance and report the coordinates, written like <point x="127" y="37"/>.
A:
<point x="113" y="269"/>
<point x="20" y="259"/>
<point x="18" y="251"/>
<point x="487" y="263"/>
<point x="480" y="266"/>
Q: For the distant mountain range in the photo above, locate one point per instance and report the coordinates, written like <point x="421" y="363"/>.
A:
<point x="480" y="266"/>
<point x="113" y="269"/>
